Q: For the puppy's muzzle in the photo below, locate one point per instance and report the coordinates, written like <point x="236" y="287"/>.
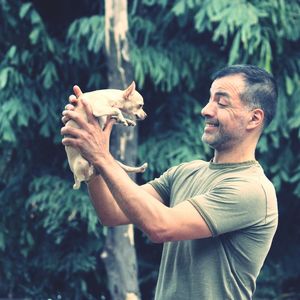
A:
<point x="141" y="116"/>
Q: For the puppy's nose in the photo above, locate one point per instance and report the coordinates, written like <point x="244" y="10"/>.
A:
<point x="144" y="116"/>
<point x="141" y="116"/>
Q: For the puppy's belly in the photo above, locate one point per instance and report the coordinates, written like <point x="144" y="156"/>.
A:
<point x="80" y="167"/>
<point x="72" y="155"/>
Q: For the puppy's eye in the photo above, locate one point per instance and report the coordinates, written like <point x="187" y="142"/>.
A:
<point x="141" y="105"/>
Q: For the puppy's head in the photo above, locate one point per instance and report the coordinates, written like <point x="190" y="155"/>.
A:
<point x="133" y="102"/>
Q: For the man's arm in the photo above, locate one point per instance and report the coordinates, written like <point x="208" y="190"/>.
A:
<point x="158" y="221"/>
<point x="137" y="204"/>
<point x="106" y="206"/>
<point x="107" y="209"/>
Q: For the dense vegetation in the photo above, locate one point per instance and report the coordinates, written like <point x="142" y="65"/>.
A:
<point x="50" y="239"/>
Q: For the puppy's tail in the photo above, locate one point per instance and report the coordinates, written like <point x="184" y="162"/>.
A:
<point x="128" y="169"/>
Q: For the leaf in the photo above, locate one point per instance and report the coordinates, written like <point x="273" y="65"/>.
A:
<point x="34" y="35"/>
<point x="11" y="52"/>
<point x="4" y="76"/>
<point x="35" y="18"/>
<point x="289" y="85"/>
<point x="49" y="75"/>
<point x="200" y="23"/>
<point x="24" y="9"/>
<point x="2" y="241"/>
<point x="234" y="51"/>
<point x="179" y="8"/>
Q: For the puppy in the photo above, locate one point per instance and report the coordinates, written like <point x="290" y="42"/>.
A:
<point x="104" y="103"/>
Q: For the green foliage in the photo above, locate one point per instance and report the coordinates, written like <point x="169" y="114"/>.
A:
<point x="60" y="206"/>
<point x="50" y="239"/>
<point x="87" y="31"/>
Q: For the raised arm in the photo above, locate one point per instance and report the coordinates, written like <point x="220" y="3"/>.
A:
<point x="131" y="203"/>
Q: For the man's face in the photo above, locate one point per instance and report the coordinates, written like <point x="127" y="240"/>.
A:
<point x="226" y="117"/>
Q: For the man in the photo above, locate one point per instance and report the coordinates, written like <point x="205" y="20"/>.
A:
<point x="218" y="218"/>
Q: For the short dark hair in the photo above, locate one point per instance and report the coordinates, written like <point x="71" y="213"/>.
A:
<point x="261" y="88"/>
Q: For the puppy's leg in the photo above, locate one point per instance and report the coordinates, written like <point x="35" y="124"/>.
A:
<point x="130" y="122"/>
<point x="77" y="182"/>
<point x="82" y="171"/>
<point x="113" y="112"/>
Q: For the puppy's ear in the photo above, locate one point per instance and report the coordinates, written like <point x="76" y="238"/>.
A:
<point x="129" y="90"/>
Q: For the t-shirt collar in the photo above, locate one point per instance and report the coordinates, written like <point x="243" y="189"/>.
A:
<point x="247" y="163"/>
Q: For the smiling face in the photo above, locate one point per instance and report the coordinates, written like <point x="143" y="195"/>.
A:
<point x="226" y="116"/>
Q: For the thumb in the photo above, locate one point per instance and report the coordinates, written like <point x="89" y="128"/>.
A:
<point x="109" y="125"/>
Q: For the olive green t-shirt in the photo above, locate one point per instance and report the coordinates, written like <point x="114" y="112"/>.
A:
<point x="239" y="205"/>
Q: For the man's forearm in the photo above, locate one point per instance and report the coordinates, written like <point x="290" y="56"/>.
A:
<point x="104" y="203"/>
<point x="140" y="207"/>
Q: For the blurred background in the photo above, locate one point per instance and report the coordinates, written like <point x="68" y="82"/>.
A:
<point x="51" y="243"/>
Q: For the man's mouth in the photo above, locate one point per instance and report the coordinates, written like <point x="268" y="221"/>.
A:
<point x="211" y="124"/>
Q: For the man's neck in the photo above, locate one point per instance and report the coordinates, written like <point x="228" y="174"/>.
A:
<point x="234" y="156"/>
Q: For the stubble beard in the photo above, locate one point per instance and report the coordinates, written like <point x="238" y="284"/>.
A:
<point x="218" y="141"/>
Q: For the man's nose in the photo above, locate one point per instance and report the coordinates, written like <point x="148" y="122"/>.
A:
<point x="208" y="110"/>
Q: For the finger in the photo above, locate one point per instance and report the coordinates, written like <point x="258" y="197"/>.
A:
<point x="88" y="110"/>
<point x="73" y="99"/>
<point x="76" y="118"/>
<point x="69" y="107"/>
<point x="64" y="112"/>
<point x="69" y="141"/>
<point x="77" y="91"/>
<point x="65" y="119"/>
<point x="70" y="131"/>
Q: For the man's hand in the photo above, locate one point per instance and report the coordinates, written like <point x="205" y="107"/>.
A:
<point x="89" y="139"/>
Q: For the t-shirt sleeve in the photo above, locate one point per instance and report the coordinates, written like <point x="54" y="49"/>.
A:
<point x="231" y="206"/>
<point x="163" y="184"/>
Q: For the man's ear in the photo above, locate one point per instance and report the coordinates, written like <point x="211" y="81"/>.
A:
<point x="256" y="118"/>
<point x="129" y="90"/>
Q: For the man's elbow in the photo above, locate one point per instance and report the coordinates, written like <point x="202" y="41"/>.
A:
<point x="159" y="235"/>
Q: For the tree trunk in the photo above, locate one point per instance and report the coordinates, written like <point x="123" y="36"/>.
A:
<point x="119" y="252"/>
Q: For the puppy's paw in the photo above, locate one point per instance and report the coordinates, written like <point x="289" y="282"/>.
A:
<point x="143" y="167"/>
<point x="120" y="121"/>
<point x="130" y="122"/>
<point x="76" y="185"/>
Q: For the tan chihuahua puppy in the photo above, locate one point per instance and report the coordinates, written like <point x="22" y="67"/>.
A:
<point x="104" y="103"/>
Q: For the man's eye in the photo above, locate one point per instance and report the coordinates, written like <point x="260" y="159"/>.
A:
<point x="221" y="104"/>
